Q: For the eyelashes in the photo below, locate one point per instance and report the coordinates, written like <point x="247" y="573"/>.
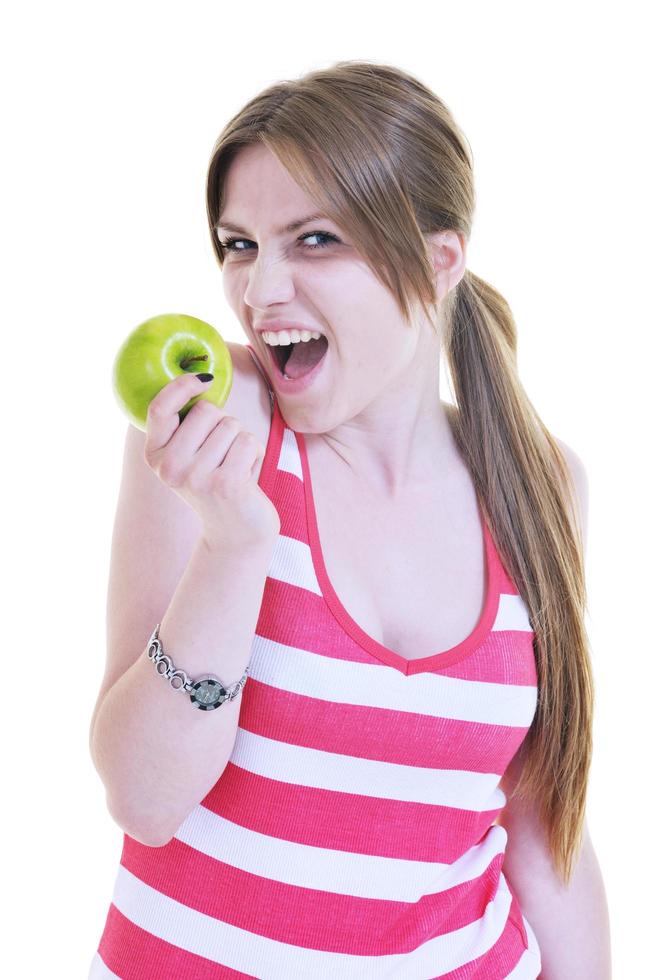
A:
<point x="229" y="243"/>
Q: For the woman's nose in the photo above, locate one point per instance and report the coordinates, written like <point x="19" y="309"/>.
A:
<point x="269" y="281"/>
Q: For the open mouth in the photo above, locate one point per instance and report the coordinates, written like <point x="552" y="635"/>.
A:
<point x="296" y="360"/>
<point x="282" y="354"/>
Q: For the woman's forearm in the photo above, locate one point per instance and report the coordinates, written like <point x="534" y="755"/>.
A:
<point x="156" y="754"/>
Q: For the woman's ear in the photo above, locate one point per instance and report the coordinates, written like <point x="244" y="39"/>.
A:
<point x="448" y="252"/>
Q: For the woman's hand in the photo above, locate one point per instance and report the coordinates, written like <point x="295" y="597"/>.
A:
<point x="209" y="460"/>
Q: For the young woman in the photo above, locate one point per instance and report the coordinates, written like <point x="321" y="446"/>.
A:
<point x="389" y="587"/>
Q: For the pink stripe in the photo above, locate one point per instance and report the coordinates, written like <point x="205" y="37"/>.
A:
<point x="346" y="821"/>
<point x="289" y="914"/>
<point x="360" y="732"/>
<point x="297" y="617"/>
<point x="290" y="504"/>
<point x="134" y="954"/>
<point x="506" y="583"/>
<point x="505" y="657"/>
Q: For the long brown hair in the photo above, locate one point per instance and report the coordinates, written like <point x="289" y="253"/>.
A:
<point x="383" y="157"/>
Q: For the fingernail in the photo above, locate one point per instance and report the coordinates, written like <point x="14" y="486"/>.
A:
<point x="204" y="377"/>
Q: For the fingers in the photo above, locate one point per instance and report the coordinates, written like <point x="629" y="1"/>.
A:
<point x="202" y="418"/>
<point x="162" y="416"/>
<point x="227" y="454"/>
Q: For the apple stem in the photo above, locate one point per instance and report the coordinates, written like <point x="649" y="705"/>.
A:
<point x="189" y="360"/>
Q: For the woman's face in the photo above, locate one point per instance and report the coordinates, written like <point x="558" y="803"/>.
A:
<point x="271" y="274"/>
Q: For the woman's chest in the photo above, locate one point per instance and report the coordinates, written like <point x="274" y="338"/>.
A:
<point x="411" y="575"/>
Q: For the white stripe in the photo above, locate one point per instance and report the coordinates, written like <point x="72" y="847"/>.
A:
<point x="100" y="971"/>
<point x="270" y="959"/>
<point x="377" y="685"/>
<point x="325" y="869"/>
<point x="273" y="759"/>
<point x="291" y="562"/>
<point x="512" y="614"/>
<point x="289" y="454"/>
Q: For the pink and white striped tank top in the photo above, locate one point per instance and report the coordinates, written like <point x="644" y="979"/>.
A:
<point x="351" y="835"/>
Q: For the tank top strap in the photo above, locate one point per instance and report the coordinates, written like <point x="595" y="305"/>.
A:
<point x="271" y="393"/>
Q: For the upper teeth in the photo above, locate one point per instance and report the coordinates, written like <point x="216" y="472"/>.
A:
<point x="284" y="337"/>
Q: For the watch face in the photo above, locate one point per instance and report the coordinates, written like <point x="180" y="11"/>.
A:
<point x="207" y="693"/>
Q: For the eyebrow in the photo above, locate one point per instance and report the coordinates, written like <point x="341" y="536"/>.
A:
<point x="287" y="229"/>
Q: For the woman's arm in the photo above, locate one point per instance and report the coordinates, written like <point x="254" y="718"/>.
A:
<point x="571" y="923"/>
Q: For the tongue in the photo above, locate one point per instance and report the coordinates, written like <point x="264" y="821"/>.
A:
<point x="304" y="356"/>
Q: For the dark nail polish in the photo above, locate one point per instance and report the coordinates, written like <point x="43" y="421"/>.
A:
<point x="204" y="377"/>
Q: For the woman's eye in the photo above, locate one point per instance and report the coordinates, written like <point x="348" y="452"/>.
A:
<point x="230" y="243"/>
<point x="319" y="234"/>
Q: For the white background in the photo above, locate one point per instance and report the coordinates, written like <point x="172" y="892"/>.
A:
<point x="109" y="114"/>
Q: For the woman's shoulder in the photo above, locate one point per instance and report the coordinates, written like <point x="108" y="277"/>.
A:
<point x="579" y="478"/>
<point x="249" y="398"/>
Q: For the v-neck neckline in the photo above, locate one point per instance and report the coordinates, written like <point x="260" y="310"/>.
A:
<point x="435" y="661"/>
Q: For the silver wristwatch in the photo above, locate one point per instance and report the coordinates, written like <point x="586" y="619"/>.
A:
<point x="206" y="692"/>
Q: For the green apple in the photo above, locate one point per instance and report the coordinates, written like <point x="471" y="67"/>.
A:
<point x="159" y="350"/>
